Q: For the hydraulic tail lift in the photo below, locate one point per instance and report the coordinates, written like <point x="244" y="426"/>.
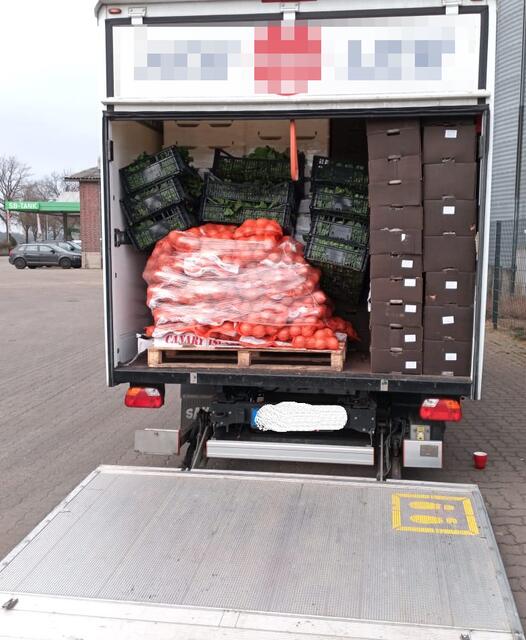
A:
<point x="157" y="554"/>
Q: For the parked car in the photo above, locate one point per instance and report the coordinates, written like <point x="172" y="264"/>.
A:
<point x="68" y="245"/>
<point x="41" y="254"/>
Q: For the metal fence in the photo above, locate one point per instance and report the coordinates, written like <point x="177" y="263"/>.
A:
<point x="507" y="275"/>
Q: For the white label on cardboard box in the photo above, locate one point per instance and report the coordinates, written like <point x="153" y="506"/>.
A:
<point x="410" y="282"/>
<point x="403" y="237"/>
<point x="448" y="319"/>
<point x="410" y="308"/>
<point x="410" y="337"/>
<point x="448" y="210"/>
<point x="410" y="364"/>
<point x="451" y="284"/>
<point x="407" y="264"/>
<point x="450" y="133"/>
<point x="451" y="357"/>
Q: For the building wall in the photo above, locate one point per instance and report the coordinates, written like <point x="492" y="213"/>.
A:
<point x="510" y="15"/>
<point x="90" y="225"/>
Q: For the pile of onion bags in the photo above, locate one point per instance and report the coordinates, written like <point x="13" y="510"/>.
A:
<point x="246" y="285"/>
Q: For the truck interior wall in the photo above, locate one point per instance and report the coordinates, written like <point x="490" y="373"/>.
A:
<point x="130" y="313"/>
<point x="243" y="136"/>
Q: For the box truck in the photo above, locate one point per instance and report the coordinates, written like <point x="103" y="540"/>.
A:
<point x="405" y="88"/>
<point x="163" y="553"/>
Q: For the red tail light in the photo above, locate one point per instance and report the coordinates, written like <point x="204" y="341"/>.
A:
<point x="144" y="398"/>
<point x="443" y="409"/>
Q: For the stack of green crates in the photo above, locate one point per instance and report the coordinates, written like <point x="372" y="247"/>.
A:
<point x="253" y="186"/>
<point x="157" y="199"/>
<point x="339" y="237"/>
<point x="233" y="203"/>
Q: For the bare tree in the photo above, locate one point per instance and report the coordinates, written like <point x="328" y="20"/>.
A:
<point x="34" y="228"/>
<point x="27" y="220"/>
<point x="29" y="191"/>
<point x="52" y="185"/>
<point x="55" y="226"/>
<point x="13" y="176"/>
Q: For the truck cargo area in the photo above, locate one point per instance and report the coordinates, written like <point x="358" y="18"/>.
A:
<point x="151" y="553"/>
<point x="336" y="136"/>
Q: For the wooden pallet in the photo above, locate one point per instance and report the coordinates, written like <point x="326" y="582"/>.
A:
<point x="268" y="359"/>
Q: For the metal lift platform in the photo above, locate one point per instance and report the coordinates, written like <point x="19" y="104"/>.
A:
<point x="141" y="553"/>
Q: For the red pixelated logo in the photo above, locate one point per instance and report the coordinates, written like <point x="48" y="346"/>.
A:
<point x="286" y="57"/>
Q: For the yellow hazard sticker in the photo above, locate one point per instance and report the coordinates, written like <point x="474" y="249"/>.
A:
<point x="451" y="515"/>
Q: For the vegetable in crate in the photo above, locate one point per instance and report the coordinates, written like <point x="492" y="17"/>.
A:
<point x="147" y="232"/>
<point x="146" y="170"/>
<point x="192" y="181"/>
<point x="350" y="173"/>
<point x="344" y="255"/>
<point x="235" y="202"/>
<point x="245" y="286"/>
<point x="338" y="199"/>
<point x="269" y="153"/>
<point x="151" y="200"/>
<point x="353" y="230"/>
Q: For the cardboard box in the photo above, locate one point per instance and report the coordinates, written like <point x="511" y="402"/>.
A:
<point x="393" y="266"/>
<point x="397" y="289"/>
<point x="449" y="251"/>
<point x="450" y="178"/>
<point x="446" y="141"/>
<point x="390" y="217"/>
<point x="448" y="321"/>
<point x="395" y="192"/>
<point x="406" y="361"/>
<point x="450" y="215"/>
<point x="393" y="137"/>
<point x="408" y="314"/>
<point x="447" y="358"/>
<point x="395" y="167"/>
<point x="396" y="336"/>
<point x="395" y="241"/>
<point x="450" y="287"/>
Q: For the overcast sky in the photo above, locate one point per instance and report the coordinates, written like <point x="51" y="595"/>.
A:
<point x="49" y="106"/>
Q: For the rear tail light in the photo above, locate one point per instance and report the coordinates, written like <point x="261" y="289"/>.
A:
<point x="442" y="409"/>
<point x="144" y="397"/>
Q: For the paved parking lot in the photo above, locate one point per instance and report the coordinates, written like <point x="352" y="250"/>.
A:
<point x="58" y="421"/>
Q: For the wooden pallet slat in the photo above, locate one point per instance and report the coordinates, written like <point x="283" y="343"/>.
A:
<point x="267" y="359"/>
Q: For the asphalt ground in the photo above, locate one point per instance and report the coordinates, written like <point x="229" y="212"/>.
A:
<point x="58" y="420"/>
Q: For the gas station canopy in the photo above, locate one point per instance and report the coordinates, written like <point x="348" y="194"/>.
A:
<point x="51" y="207"/>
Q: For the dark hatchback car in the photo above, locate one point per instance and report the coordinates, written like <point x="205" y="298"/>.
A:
<point x="40" y="254"/>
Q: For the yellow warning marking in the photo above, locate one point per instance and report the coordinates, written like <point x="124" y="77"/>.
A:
<point x="429" y="506"/>
<point x="451" y="515"/>
<point x="423" y="519"/>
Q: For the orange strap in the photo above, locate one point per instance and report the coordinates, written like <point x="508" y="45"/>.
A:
<point x="294" y="169"/>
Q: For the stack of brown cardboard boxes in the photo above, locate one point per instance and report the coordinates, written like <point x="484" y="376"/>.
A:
<point x="396" y="223"/>
<point x="450" y="214"/>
